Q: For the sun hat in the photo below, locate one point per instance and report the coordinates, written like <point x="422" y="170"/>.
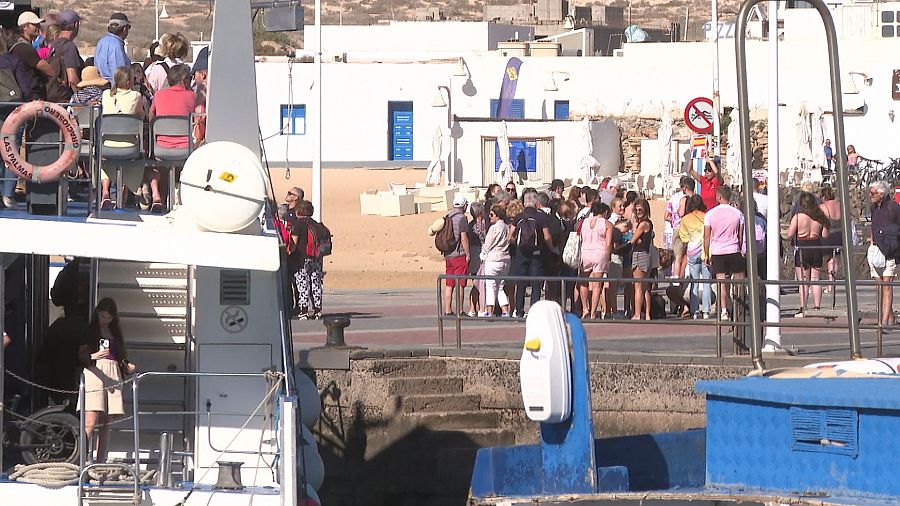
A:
<point x="436" y="227"/>
<point x="90" y="76"/>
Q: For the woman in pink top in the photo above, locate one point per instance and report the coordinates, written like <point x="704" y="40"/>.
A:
<point x="596" y="247"/>
<point x="176" y="100"/>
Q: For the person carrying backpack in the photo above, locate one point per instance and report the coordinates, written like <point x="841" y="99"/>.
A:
<point x="452" y="240"/>
<point x="15" y="86"/>
<point x="530" y="232"/>
<point x="305" y="245"/>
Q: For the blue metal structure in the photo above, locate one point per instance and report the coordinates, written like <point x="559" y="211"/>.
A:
<point x="831" y="436"/>
<point x="569" y="459"/>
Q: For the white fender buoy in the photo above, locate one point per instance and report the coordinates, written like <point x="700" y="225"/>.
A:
<point x="308" y="458"/>
<point x="309" y="401"/>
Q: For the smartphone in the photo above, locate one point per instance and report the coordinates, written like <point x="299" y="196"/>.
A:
<point x="104" y="344"/>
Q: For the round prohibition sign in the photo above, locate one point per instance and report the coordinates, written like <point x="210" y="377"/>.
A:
<point x="699" y="115"/>
<point x="234" y="319"/>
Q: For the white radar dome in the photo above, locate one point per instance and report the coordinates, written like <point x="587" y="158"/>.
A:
<point x="223" y="186"/>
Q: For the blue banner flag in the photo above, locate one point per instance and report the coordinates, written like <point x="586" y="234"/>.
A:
<point x="508" y="88"/>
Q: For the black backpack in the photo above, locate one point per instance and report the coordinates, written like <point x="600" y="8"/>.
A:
<point x="445" y="240"/>
<point x="9" y="87"/>
<point x="324" y="236"/>
<point x="527" y="235"/>
<point x="57" y="88"/>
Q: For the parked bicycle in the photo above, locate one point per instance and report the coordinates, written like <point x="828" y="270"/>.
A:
<point x="49" y="435"/>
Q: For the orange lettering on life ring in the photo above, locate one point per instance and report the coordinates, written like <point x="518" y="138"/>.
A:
<point x="71" y="135"/>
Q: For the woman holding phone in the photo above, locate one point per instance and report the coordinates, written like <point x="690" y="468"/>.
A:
<point x="105" y="362"/>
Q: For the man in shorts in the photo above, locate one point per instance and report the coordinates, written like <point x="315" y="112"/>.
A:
<point x="723" y="242"/>
<point x="885" y="222"/>
<point x="457" y="261"/>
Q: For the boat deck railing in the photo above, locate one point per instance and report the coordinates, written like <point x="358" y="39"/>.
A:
<point x="90" y="121"/>
<point x="275" y="382"/>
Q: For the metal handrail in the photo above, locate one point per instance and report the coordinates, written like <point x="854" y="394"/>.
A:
<point x="459" y="316"/>
<point x="840" y="162"/>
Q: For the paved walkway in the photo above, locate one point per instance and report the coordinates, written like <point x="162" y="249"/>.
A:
<point x="406" y="319"/>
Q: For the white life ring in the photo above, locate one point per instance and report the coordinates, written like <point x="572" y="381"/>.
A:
<point x="71" y="134"/>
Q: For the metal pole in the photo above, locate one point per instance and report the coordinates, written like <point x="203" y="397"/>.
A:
<point x="440" y="306"/>
<point x="317" y="121"/>
<point x="451" y="165"/>
<point x="2" y="353"/>
<point x="156" y="18"/>
<point x="746" y="155"/>
<point x="773" y="220"/>
<point x="717" y="111"/>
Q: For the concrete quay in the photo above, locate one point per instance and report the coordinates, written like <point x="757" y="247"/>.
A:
<point x="403" y="417"/>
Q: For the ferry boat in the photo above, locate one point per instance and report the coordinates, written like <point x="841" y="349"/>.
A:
<point x="215" y="412"/>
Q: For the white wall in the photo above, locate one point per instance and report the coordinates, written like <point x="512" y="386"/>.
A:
<point x="648" y="80"/>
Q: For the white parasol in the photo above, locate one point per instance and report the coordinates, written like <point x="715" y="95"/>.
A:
<point x="664" y="136"/>
<point x="818" y="138"/>
<point x="588" y="162"/>
<point x="804" y="154"/>
<point x="436" y="167"/>
<point x="505" y="175"/>
<point x="733" y="165"/>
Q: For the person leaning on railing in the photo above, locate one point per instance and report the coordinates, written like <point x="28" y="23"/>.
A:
<point x="13" y="66"/>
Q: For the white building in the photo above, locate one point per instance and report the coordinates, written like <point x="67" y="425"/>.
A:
<point x="378" y="114"/>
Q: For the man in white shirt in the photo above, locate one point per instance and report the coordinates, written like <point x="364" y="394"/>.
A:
<point x="761" y="199"/>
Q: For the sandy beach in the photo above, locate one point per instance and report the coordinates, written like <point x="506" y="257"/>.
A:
<point x="374" y="251"/>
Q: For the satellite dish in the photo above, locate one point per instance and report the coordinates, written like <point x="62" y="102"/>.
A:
<point x="223" y="186"/>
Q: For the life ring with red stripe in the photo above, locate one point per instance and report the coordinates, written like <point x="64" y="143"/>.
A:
<point x="71" y="134"/>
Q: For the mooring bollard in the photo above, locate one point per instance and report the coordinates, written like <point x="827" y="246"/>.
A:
<point x="336" y="326"/>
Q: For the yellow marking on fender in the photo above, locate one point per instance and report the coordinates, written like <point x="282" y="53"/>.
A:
<point x="228" y="177"/>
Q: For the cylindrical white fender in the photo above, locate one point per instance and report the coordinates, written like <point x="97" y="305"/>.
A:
<point x="308" y="459"/>
<point x="309" y="401"/>
<point x="71" y="134"/>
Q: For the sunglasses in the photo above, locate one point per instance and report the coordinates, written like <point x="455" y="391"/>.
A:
<point x="874" y="192"/>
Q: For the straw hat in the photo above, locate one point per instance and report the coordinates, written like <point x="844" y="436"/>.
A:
<point x="436" y="227"/>
<point x="90" y="76"/>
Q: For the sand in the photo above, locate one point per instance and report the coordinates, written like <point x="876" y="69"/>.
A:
<point x="374" y="252"/>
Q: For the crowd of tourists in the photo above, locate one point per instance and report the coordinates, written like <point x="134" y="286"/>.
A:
<point x="39" y="60"/>
<point x="527" y="241"/>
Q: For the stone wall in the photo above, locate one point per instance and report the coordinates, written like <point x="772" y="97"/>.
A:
<point x="380" y="448"/>
<point x="635" y="129"/>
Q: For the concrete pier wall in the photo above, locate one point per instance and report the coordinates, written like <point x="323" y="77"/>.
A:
<point x="404" y="430"/>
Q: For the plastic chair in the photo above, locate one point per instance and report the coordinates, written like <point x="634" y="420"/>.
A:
<point x="173" y="158"/>
<point x="125" y="128"/>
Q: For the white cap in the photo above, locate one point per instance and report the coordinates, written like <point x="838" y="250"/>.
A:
<point x="460" y="201"/>
<point x="29" y="17"/>
<point x="614" y="181"/>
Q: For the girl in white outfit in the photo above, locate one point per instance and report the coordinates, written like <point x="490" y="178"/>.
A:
<point x="495" y="255"/>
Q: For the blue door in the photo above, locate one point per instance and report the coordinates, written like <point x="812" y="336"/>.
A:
<point x="401" y="132"/>
<point x="561" y="109"/>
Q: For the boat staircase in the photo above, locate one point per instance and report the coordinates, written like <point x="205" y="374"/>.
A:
<point x="154" y="310"/>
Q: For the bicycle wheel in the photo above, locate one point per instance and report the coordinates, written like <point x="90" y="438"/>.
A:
<point x="52" y="437"/>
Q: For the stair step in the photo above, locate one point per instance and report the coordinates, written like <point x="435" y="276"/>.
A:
<point x="410" y="368"/>
<point x="456" y="420"/>
<point x="472" y="438"/>
<point x="133" y="298"/>
<point x="154" y="329"/>
<point x="444" y="402"/>
<point x="424" y="386"/>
